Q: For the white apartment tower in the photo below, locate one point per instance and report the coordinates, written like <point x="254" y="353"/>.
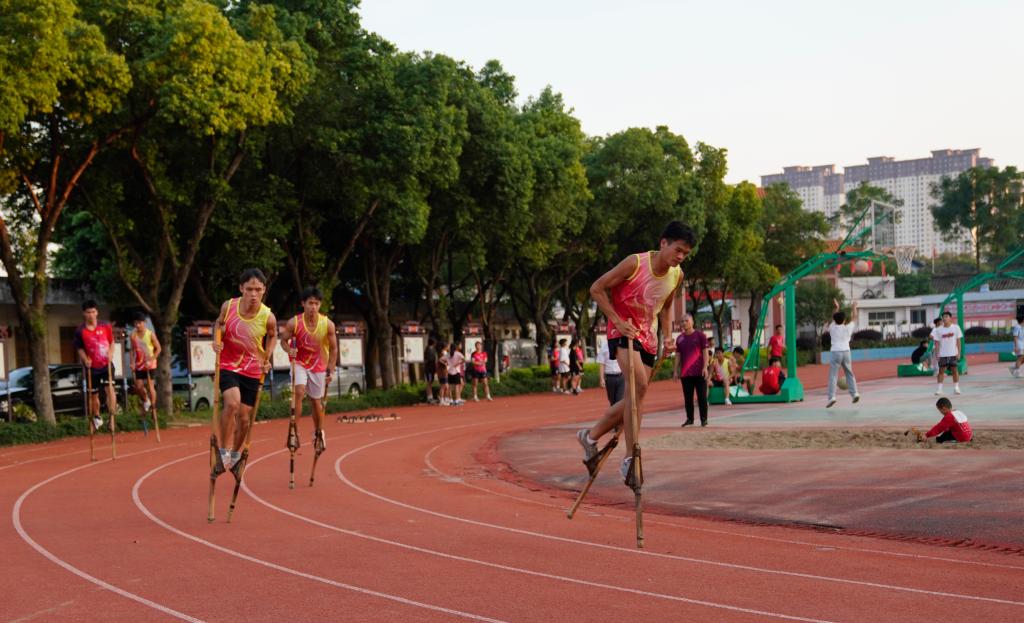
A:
<point x="824" y="190"/>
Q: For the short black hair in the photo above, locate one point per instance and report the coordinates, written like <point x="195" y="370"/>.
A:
<point x="312" y="292"/>
<point x="937" y="320"/>
<point x="923" y="343"/>
<point x="89" y="304"/>
<point x="561" y="341"/>
<point x="943" y="403"/>
<point x="778" y="326"/>
<point x="677" y="230"/>
<point x="773" y="360"/>
<point x="839" y="317"/>
<point x="252" y="273"/>
<point x="1020" y="318"/>
<point x="719" y="349"/>
<point x="138" y="317"/>
<point x="738" y="350"/>
<point x="947" y="313"/>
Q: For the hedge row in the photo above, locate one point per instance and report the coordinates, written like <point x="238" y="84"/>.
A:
<point x="514" y="382"/>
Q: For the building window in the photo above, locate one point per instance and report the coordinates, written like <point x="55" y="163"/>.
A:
<point x="881" y="318"/>
<point x="918" y="316"/>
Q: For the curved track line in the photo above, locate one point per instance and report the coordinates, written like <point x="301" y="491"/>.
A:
<point x="16" y="519"/>
<point x="270" y="565"/>
<point x="462" y="481"/>
<point x="637" y="552"/>
<point x="530" y="572"/>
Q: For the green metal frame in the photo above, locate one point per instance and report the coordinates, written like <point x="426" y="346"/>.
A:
<point x="1012" y="267"/>
<point x="792" y="389"/>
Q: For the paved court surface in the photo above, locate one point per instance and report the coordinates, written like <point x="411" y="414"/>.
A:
<point x="955" y="496"/>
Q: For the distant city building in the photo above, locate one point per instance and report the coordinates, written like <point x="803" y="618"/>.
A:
<point x="823" y="189"/>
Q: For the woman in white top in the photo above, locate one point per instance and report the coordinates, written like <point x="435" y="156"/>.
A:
<point x="840" y="330"/>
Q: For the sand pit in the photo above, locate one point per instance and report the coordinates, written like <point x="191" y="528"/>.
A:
<point x="703" y="439"/>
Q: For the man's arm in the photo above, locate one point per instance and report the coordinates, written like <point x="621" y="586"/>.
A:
<point x="286" y="335"/>
<point x="607" y="281"/>
<point x="80" y="349"/>
<point x="219" y="327"/>
<point x="157" y="348"/>
<point x="271" y="341"/>
<point x="665" y="319"/>
<point x="332" y="349"/>
<point x="853" y="314"/>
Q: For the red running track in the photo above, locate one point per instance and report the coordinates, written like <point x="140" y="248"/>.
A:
<point x="404" y="524"/>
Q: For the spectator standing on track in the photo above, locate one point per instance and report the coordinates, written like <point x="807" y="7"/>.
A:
<point x="639" y="287"/>
<point x="244" y="358"/>
<point x="952" y="427"/>
<point x="478" y="370"/>
<point x="691" y="369"/>
<point x="1018" y="346"/>
<point x="776" y="345"/>
<point x="839" y="331"/>
<point x="94" y="341"/>
<point x="575" y="365"/>
<point x="556" y="376"/>
<point x="444" y="391"/>
<point x="610" y="375"/>
<point x="563" y="365"/>
<point x="456" y="362"/>
<point x="949" y="339"/>
<point x="430" y="369"/>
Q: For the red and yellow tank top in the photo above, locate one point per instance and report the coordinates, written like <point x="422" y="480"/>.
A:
<point x="243" y="341"/>
<point x="143" y="347"/>
<point x="641" y="297"/>
<point x="311" y="344"/>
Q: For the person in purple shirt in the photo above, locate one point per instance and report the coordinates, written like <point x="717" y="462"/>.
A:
<point x="691" y="368"/>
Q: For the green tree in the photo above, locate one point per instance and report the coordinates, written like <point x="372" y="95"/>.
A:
<point x="208" y="78"/>
<point x="814" y="305"/>
<point x="60" y="80"/>
<point x="791" y="235"/>
<point x="985" y="202"/>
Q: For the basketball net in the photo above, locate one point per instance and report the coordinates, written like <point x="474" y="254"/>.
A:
<point x="904" y="255"/>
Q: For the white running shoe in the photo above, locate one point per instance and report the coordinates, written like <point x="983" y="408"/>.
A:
<point x="97" y="422"/>
<point x="956" y="390"/>
<point x="236" y="456"/>
<point x="489" y="398"/>
<point x="225" y="458"/>
<point x="831" y="401"/>
<point x="727" y="401"/>
<point x="624" y="468"/>
<point x="589" y="449"/>
<point x="856" y="398"/>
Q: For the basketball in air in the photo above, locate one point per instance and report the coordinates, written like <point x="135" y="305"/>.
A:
<point x="862" y="267"/>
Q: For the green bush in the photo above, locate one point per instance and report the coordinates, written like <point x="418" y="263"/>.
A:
<point x="13" y="433"/>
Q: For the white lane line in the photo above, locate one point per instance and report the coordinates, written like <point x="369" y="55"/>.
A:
<point x="16" y="519"/>
<point x="427" y="460"/>
<point x="270" y="565"/>
<point x="636" y="552"/>
<point x="494" y="565"/>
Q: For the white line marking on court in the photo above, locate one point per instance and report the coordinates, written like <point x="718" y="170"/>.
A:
<point x="309" y="576"/>
<point x="16" y="519"/>
<point x="502" y="567"/>
<point x="637" y="552"/>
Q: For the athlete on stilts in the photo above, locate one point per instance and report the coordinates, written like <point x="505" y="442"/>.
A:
<point x="94" y="343"/>
<point x="315" y="353"/>
<point x="145" y="350"/>
<point x="640" y="286"/>
<point x="244" y="322"/>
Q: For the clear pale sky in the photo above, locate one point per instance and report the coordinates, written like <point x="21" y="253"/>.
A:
<point x="778" y="82"/>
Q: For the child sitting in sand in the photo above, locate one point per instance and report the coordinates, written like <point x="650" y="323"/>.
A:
<point x="952" y="427"/>
<point x="772" y="377"/>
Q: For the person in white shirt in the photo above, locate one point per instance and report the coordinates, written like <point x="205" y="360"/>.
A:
<point x="840" y="330"/>
<point x="563" y="365"/>
<point x="1018" y="346"/>
<point x="610" y="375"/>
<point x="949" y="341"/>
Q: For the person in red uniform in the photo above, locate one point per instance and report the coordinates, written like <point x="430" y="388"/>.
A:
<point x="94" y="341"/>
<point x="952" y="427"/>
<point x="249" y="334"/>
<point x="772" y="377"/>
<point x="633" y="297"/>
<point x="776" y="345"/>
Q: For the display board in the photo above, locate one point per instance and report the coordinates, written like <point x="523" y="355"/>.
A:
<point x="201" y="358"/>
<point x="350" y="351"/>
<point x="117" y="357"/>
<point x="413" y="347"/>
<point x="469" y="344"/>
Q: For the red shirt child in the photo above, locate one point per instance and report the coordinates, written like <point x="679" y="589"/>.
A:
<point x="775" y="345"/>
<point x="953" y="425"/>
<point x="772" y="378"/>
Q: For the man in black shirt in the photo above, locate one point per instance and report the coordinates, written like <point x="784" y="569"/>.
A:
<point x="919" y="352"/>
<point x="430" y="368"/>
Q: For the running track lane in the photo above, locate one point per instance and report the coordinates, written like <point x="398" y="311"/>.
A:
<point x="461" y="554"/>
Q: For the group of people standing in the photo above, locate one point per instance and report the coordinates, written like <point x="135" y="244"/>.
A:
<point x="448" y="366"/>
<point x="566" y="359"/>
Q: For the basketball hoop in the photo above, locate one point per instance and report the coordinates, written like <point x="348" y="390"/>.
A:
<point x="904" y="255"/>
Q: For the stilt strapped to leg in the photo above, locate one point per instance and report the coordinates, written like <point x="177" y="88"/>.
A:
<point x="238" y="469"/>
<point x="635" y="475"/>
<point x="216" y="464"/>
<point x="319" y="445"/>
<point x="594" y="465"/>
<point x="293" y="446"/>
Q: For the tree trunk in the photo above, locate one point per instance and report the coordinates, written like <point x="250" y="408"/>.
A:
<point x="754" y="314"/>
<point x="35" y="332"/>
<point x="164" y="386"/>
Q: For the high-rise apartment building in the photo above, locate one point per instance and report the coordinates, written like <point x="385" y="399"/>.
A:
<point x="823" y="189"/>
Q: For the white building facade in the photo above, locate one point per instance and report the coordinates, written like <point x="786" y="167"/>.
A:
<point x="823" y="189"/>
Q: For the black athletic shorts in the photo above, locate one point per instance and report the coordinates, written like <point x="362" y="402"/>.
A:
<point x="143" y="375"/>
<point x="454" y="379"/>
<point x="98" y="377"/>
<point x="717" y="384"/>
<point x="621" y="342"/>
<point x="948" y="363"/>
<point x="247" y="386"/>
<point x="429" y="376"/>
<point x="473" y="373"/>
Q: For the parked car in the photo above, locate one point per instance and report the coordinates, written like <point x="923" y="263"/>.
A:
<point x="66" y="389"/>
<point x="197" y="396"/>
<point x="518" y="353"/>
